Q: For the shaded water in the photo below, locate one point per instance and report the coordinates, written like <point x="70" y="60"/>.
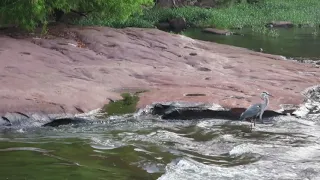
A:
<point x="287" y="148"/>
<point x="292" y="43"/>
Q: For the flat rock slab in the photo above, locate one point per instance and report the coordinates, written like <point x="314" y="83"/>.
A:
<point x="280" y="24"/>
<point x="78" y="69"/>
<point x="217" y="31"/>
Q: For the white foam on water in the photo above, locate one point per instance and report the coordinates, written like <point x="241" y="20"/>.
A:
<point x="153" y="167"/>
<point x="210" y="123"/>
<point x="105" y="144"/>
<point x="159" y="136"/>
<point x="303" y="153"/>
<point x="142" y="150"/>
<point x="26" y="149"/>
<point x="228" y="138"/>
<point x="301" y="112"/>
<point x="279" y="159"/>
<point x="311" y="104"/>
<point x="98" y="151"/>
<point x="246" y="148"/>
<point x="21" y="130"/>
<point x="188" y="169"/>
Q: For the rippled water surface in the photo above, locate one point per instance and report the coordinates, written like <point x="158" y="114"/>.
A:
<point x="284" y="148"/>
<point x="297" y="43"/>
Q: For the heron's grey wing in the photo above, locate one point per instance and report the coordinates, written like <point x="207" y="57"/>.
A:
<point x="252" y="111"/>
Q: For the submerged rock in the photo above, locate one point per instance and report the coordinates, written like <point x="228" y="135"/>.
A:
<point x="280" y="24"/>
<point x="217" y="31"/>
<point x="288" y="108"/>
<point x="66" y="121"/>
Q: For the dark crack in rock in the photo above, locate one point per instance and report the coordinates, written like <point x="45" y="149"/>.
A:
<point x="4" y="121"/>
<point x="20" y="120"/>
<point x="187" y="111"/>
<point x="66" y="121"/>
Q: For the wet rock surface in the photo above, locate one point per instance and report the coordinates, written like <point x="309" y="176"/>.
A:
<point x="310" y="109"/>
<point x="217" y="31"/>
<point x="280" y="24"/>
<point x="187" y="111"/>
<point x="174" y="24"/>
<point x="76" y="70"/>
<point x="178" y="24"/>
<point x="20" y="120"/>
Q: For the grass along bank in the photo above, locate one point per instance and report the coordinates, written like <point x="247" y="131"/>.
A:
<point x="236" y="16"/>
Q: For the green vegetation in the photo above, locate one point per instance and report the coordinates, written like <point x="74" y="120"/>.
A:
<point x="193" y="15"/>
<point x="296" y="11"/>
<point x="128" y="13"/>
<point x="124" y="106"/>
<point x="28" y="14"/>
<point x="235" y="15"/>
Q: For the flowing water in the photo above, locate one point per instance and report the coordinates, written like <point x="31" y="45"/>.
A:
<point x="149" y="148"/>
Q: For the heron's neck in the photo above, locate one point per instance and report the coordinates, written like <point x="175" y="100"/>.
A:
<point x="266" y="100"/>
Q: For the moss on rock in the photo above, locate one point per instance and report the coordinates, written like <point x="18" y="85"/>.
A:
<point x="128" y="104"/>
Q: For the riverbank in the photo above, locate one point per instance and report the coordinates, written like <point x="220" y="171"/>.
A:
<point x="78" y="69"/>
<point x="256" y="16"/>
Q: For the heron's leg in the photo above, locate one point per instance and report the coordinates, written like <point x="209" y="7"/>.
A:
<point x="260" y="117"/>
<point x="261" y="120"/>
<point x="251" y="124"/>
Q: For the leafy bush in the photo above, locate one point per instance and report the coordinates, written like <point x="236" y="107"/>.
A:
<point x="29" y="13"/>
<point x="133" y="21"/>
<point x="195" y="16"/>
<point x="251" y="13"/>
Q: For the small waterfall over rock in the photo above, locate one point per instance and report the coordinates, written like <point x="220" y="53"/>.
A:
<point x="310" y="109"/>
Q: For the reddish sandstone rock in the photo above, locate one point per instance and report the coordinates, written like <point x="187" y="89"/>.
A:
<point x="82" y="68"/>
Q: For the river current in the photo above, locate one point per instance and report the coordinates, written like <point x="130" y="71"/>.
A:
<point x="150" y="148"/>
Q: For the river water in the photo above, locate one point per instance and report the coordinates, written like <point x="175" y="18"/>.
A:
<point x="148" y="148"/>
<point x="297" y="43"/>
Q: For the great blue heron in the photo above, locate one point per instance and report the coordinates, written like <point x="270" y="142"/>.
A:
<point x="256" y="110"/>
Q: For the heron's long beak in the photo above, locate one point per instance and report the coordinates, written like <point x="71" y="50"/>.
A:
<point x="270" y="95"/>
